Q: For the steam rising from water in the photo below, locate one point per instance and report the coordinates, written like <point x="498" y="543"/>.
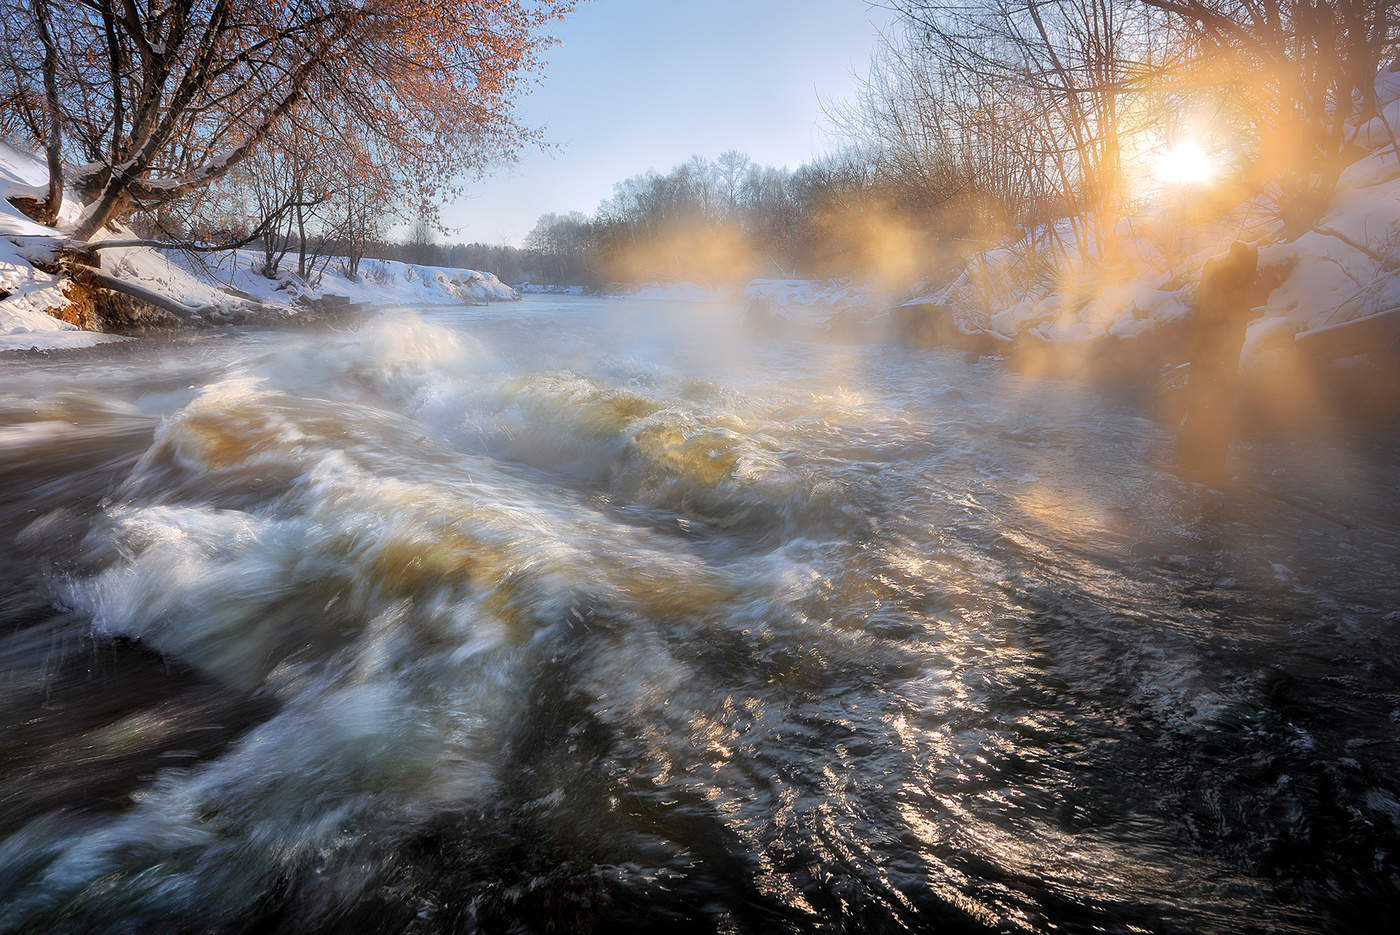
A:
<point x="787" y="637"/>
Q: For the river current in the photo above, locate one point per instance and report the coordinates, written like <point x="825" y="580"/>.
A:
<point x="589" y="615"/>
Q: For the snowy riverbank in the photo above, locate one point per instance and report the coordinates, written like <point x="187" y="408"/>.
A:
<point x="42" y="310"/>
<point x="659" y="291"/>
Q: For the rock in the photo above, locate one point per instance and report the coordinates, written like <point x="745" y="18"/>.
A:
<point x="925" y="324"/>
<point x="1225" y="299"/>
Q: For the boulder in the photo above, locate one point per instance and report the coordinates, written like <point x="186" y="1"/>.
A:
<point x="1225" y="300"/>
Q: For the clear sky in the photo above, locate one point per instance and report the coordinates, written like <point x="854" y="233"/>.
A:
<point x="645" y="84"/>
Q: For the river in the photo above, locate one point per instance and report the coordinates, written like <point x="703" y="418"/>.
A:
<point x="601" y="615"/>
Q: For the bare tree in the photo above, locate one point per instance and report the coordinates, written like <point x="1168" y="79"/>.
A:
<point x="419" y="247"/>
<point x="1018" y="106"/>
<point x="730" y="168"/>
<point x="1311" y="67"/>
<point x="156" y="101"/>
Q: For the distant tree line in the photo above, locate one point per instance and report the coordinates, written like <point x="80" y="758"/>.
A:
<point x="512" y="264"/>
<point x="713" y="220"/>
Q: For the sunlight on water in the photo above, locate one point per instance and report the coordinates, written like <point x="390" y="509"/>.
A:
<point x="421" y="619"/>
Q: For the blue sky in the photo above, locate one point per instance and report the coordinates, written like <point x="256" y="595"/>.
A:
<point x="644" y="84"/>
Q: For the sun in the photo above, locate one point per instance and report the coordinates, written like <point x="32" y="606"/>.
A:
<point x="1185" y="162"/>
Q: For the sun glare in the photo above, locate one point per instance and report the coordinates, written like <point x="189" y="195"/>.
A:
<point x="1184" y="163"/>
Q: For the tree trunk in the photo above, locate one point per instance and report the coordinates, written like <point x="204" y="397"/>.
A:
<point x="301" y="242"/>
<point x="54" y="142"/>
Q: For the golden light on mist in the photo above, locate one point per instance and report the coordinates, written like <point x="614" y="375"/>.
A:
<point x="1184" y="163"/>
<point x="697" y="252"/>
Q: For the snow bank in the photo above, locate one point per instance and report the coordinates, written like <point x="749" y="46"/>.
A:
<point x="216" y="287"/>
<point x="676" y="292"/>
<point x="380" y="282"/>
<point x="530" y="288"/>
<point x="812" y="301"/>
<point x="403" y="283"/>
<point x="30" y="293"/>
<point x="163" y="274"/>
<point x="1347" y="267"/>
<point x="1344" y="268"/>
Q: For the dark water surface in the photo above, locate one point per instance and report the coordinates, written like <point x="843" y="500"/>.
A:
<point x="591" y="615"/>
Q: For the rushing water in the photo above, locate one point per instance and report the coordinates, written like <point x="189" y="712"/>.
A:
<point x="585" y="615"/>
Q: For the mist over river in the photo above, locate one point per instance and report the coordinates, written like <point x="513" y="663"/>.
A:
<point x="602" y="615"/>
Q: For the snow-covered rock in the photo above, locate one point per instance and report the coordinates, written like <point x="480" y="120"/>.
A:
<point x="1270" y="335"/>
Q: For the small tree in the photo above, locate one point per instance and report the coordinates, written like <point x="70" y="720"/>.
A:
<point x="730" y="169"/>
